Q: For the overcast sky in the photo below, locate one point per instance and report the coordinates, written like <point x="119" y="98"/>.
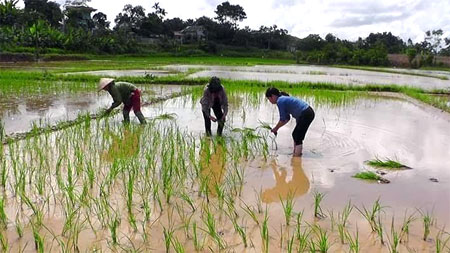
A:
<point x="346" y="19"/>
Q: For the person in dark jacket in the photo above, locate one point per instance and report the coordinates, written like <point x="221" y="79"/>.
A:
<point x="299" y="109"/>
<point x="214" y="97"/>
<point x="126" y="93"/>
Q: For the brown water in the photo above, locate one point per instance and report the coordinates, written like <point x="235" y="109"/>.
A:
<point x="18" y="113"/>
<point x="339" y="141"/>
<point x="337" y="145"/>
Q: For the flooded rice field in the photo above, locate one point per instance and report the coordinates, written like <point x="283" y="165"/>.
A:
<point x="20" y="112"/>
<point x="122" y="73"/>
<point x="296" y="73"/>
<point x="105" y="186"/>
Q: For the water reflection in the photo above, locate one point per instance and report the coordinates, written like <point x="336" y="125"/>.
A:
<point x="123" y="146"/>
<point x="213" y="159"/>
<point x="284" y="187"/>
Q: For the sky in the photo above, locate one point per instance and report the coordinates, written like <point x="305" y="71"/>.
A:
<point x="346" y="19"/>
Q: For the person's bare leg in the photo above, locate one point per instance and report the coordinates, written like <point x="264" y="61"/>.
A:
<point x="298" y="150"/>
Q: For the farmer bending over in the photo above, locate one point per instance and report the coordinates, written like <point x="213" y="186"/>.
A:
<point x="299" y="109"/>
<point x="214" y="97"/>
<point x="126" y="93"/>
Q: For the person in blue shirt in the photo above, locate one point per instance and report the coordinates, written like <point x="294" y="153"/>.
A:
<point x="298" y="109"/>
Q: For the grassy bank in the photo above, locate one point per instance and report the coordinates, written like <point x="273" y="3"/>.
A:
<point x="391" y="71"/>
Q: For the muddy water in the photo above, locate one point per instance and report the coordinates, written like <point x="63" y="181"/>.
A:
<point x="293" y="73"/>
<point x="19" y="112"/>
<point x="338" y="143"/>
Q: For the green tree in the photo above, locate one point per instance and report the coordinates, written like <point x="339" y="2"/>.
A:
<point x="43" y="10"/>
<point x="227" y="12"/>
<point x="392" y="43"/>
<point x="8" y="12"/>
<point x="130" y="18"/>
<point x="100" y="21"/>
<point x="310" y="43"/>
<point x="433" y="40"/>
<point x="411" y="53"/>
<point x="37" y="31"/>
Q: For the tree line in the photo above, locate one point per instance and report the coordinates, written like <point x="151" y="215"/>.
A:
<point x="44" y="26"/>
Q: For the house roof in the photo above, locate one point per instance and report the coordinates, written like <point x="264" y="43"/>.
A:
<point x="81" y="7"/>
<point x="193" y="28"/>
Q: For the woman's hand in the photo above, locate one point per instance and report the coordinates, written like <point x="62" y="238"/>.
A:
<point x="212" y="118"/>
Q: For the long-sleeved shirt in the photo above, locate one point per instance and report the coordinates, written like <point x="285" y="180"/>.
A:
<point x="121" y="93"/>
<point x="290" y="106"/>
<point x="207" y="101"/>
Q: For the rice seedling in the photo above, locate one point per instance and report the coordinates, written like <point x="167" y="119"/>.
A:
<point x="38" y="240"/>
<point x="19" y="226"/>
<point x="177" y="245"/>
<point x="379" y="229"/>
<point x="3" y="217"/>
<point x="387" y="164"/>
<point x="394" y="239"/>
<point x="220" y="193"/>
<point x="210" y="223"/>
<point x="288" y="207"/>
<point x="322" y="243"/>
<point x="188" y="200"/>
<point x="168" y="237"/>
<point x="240" y="230"/>
<point x="290" y="244"/>
<point x="259" y="201"/>
<point x="318" y="197"/>
<point x="4" y="242"/>
<point x="130" y="190"/>
<point x="441" y="242"/>
<point x="185" y="219"/>
<point x="407" y="220"/>
<point x="343" y="219"/>
<point x="353" y="241"/>
<point x="198" y="245"/>
<point x="249" y="210"/>
<point x="302" y="238"/>
<point x="113" y="225"/>
<point x="426" y="222"/>
<point x="265" y="232"/>
<point x="371" y="214"/>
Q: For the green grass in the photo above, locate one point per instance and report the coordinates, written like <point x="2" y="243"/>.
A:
<point x="124" y="62"/>
<point x="387" y="164"/>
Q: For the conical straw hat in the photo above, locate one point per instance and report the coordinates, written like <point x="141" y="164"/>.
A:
<point x="103" y="82"/>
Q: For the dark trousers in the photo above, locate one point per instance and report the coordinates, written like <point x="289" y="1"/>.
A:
<point x="302" y="125"/>
<point x="219" y="114"/>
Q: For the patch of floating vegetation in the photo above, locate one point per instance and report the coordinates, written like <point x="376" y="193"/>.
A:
<point x="371" y="176"/>
<point x="166" y="116"/>
<point x="387" y="164"/>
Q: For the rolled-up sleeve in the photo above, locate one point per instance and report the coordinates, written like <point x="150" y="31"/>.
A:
<point x="205" y="102"/>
